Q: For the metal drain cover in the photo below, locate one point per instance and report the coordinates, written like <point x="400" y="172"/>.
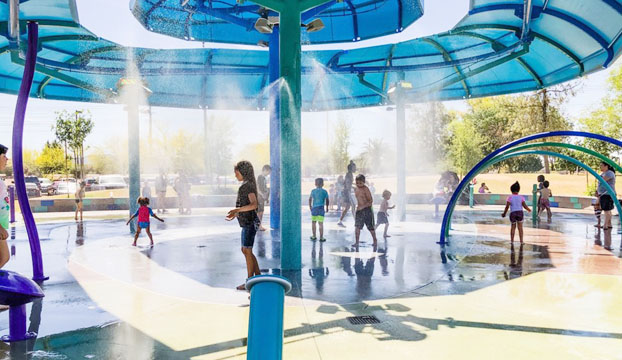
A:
<point x="362" y="320"/>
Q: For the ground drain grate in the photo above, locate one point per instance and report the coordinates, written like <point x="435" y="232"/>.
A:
<point x="362" y="320"/>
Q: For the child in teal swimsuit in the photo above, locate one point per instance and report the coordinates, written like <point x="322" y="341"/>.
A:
<point x="4" y="211"/>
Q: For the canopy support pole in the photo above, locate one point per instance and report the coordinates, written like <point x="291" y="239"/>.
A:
<point x="133" y="146"/>
<point x="400" y="127"/>
<point x="18" y="163"/>
<point x="290" y="106"/>
<point x="275" y="132"/>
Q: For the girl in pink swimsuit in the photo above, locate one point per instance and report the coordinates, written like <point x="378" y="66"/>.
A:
<point x="516" y="204"/>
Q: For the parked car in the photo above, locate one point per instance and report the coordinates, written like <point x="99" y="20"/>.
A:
<point x="64" y="187"/>
<point x="89" y="183"/>
<point x="32" y="190"/>
<point x="106" y="182"/>
<point x="44" y="185"/>
<point x="33" y="180"/>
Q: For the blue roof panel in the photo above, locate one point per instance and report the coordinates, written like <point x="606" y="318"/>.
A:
<point x="489" y="52"/>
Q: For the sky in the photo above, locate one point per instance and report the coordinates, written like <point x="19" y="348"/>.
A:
<point x="111" y="19"/>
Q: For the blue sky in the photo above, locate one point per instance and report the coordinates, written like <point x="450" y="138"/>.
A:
<point x="115" y="22"/>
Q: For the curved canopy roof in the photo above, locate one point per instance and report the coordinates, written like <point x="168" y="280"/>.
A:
<point x="231" y="22"/>
<point x="497" y="48"/>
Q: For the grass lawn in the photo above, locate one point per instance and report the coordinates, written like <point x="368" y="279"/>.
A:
<point x="574" y="185"/>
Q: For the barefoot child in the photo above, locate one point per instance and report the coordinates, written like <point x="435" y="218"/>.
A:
<point x="383" y="216"/>
<point x="544" y="203"/>
<point x="364" y="213"/>
<point x="516" y="203"/>
<point x="143" y="213"/>
<point x="246" y="212"/>
<point x="80" y="193"/>
<point x="317" y="201"/>
<point x="4" y="211"/>
<point x="263" y="193"/>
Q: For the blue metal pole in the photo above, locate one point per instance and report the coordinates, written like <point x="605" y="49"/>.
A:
<point x="476" y="168"/>
<point x="471" y="196"/>
<point x="290" y="106"/>
<point x="18" y="164"/>
<point x="534" y="205"/>
<point x="265" y="320"/>
<point x="275" y="132"/>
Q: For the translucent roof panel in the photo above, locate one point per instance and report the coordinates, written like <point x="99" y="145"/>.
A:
<point x="230" y="21"/>
<point x="499" y="47"/>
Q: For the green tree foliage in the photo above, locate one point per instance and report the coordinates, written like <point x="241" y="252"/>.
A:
<point x="502" y="119"/>
<point x="29" y="159"/>
<point x="52" y="159"/>
<point x="377" y="157"/>
<point x="606" y="119"/>
<point x="340" y="156"/>
<point x="464" y="144"/>
<point x="427" y="136"/>
<point x="71" y="129"/>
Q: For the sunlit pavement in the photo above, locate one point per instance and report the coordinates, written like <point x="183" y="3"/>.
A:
<point x="557" y="296"/>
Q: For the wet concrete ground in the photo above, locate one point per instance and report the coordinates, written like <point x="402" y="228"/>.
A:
<point x="204" y="250"/>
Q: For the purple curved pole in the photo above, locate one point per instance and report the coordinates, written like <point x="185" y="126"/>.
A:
<point x="466" y="179"/>
<point x="18" y="165"/>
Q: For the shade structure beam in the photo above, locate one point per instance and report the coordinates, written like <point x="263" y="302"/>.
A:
<point x="449" y="59"/>
<point x="586" y="28"/>
<point x="494" y="43"/>
<point x="574" y="57"/>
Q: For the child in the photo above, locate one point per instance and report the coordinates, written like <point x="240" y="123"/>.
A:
<point x="80" y="193"/>
<point x="540" y="180"/>
<point x="143" y="213"/>
<point x="383" y="216"/>
<point x="543" y="203"/>
<point x="246" y="212"/>
<point x="516" y="203"/>
<point x="364" y="213"/>
<point x="263" y="193"/>
<point x="597" y="209"/>
<point x="347" y="189"/>
<point x="332" y="193"/>
<point x="483" y="189"/>
<point x="4" y="211"/>
<point x="317" y="200"/>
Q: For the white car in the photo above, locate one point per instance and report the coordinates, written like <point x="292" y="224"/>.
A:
<point x="64" y="187"/>
<point x="106" y="182"/>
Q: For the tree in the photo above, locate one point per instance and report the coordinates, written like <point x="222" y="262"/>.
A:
<point x="499" y="120"/>
<point x="340" y="156"/>
<point x="426" y="135"/>
<point x="606" y="119"/>
<point x="465" y="145"/>
<point x="72" y="129"/>
<point x="29" y="158"/>
<point x="62" y="130"/>
<point x="376" y="157"/>
<point x="51" y="159"/>
<point x="217" y="148"/>
<point x="544" y="114"/>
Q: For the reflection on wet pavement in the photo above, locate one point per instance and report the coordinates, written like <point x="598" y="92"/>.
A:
<point x="105" y="297"/>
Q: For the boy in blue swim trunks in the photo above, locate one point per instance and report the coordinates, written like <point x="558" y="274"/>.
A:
<point x="317" y="201"/>
<point x="143" y="213"/>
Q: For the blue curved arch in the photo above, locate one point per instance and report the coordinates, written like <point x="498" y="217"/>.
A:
<point x="476" y="168"/>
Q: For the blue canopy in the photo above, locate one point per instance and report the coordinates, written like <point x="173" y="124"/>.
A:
<point x="499" y="47"/>
<point x="231" y="22"/>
